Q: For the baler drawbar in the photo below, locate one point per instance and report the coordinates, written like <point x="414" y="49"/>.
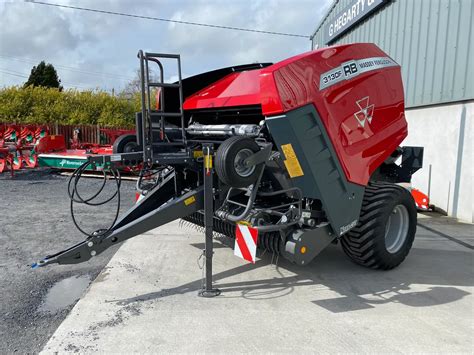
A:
<point x="305" y="151"/>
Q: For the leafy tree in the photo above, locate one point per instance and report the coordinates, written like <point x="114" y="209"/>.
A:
<point x="44" y="75"/>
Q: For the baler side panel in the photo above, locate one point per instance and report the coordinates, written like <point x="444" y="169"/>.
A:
<point x="322" y="176"/>
<point x="235" y="89"/>
<point x="363" y="114"/>
<point x="360" y="147"/>
<point x="196" y="83"/>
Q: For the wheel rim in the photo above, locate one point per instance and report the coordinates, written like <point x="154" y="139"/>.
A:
<point x="130" y="147"/>
<point x="240" y="168"/>
<point x="396" y="229"/>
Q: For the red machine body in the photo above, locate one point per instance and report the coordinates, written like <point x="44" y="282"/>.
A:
<point x="362" y="113"/>
<point x="305" y="152"/>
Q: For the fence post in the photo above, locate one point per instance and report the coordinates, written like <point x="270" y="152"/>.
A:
<point x="98" y="134"/>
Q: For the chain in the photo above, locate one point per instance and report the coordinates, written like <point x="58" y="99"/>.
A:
<point x="200" y="262"/>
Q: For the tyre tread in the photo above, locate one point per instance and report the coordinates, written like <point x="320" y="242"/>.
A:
<point x="360" y="242"/>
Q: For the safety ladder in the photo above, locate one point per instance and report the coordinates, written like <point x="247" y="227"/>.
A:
<point x="153" y="119"/>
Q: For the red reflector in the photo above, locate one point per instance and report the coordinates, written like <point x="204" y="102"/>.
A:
<point x="421" y="200"/>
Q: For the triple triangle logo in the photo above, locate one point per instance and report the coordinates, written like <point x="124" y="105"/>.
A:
<point x="366" y="111"/>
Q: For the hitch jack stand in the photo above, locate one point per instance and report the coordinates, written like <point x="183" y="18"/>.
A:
<point x="208" y="290"/>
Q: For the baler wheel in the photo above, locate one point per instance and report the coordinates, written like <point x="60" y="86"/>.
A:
<point x="229" y="161"/>
<point x="386" y="229"/>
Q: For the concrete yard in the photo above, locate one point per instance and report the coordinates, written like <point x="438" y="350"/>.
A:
<point x="146" y="300"/>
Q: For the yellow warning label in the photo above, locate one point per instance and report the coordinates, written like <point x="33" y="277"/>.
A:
<point x="292" y="164"/>
<point x="244" y="223"/>
<point x="189" y="200"/>
<point x="197" y="154"/>
<point x="208" y="161"/>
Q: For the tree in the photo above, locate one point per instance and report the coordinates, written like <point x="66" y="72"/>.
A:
<point x="134" y="86"/>
<point x="44" y="75"/>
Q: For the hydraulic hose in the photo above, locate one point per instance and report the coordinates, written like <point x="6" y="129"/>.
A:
<point x="75" y="197"/>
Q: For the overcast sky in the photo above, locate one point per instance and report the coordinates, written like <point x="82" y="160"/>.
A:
<point x="91" y="50"/>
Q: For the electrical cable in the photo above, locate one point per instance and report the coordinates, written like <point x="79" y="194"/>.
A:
<point x="169" y="20"/>
<point x="67" y="68"/>
<point x="15" y="73"/>
<point x="73" y="191"/>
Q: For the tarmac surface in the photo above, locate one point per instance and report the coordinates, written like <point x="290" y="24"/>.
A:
<point x="145" y="300"/>
<point x="35" y="221"/>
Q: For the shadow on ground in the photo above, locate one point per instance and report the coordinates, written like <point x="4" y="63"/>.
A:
<point x="442" y="271"/>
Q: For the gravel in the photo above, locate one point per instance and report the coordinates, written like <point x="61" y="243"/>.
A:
<point x="35" y="221"/>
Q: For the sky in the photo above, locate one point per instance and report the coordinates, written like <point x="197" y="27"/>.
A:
<point x="98" y="51"/>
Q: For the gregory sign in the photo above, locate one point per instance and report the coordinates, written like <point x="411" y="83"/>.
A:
<point x="355" y="11"/>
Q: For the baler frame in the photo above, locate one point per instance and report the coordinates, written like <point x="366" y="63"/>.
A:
<point x="310" y="174"/>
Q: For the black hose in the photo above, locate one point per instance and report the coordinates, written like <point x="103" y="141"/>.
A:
<point x="147" y="173"/>
<point x="77" y="175"/>
<point x="73" y="191"/>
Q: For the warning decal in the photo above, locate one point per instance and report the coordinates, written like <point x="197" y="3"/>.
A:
<point x="246" y="242"/>
<point x="292" y="164"/>
<point x="190" y="200"/>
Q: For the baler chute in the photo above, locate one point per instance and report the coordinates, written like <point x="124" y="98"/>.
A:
<point x="304" y="151"/>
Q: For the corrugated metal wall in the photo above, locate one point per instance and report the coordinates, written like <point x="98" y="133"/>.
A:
<point x="431" y="39"/>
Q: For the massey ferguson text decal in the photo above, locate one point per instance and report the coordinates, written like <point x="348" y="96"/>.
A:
<point x="352" y="68"/>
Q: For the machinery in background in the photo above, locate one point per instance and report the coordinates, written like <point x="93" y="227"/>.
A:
<point x="55" y="155"/>
<point x="17" y="146"/>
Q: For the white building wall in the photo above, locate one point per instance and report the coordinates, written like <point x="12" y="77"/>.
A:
<point x="445" y="132"/>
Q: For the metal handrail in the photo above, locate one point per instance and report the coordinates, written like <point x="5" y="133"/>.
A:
<point x="147" y="126"/>
<point x="145" y="117"/>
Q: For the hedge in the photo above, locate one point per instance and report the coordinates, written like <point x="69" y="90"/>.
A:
<point x="40" y="105"/>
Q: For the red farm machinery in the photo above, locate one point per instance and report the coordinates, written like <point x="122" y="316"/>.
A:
<point x="305" y="152"/>
<point x="31" y="146"/>
<point x="17" y="145"/>
<point x="55" y="153"/>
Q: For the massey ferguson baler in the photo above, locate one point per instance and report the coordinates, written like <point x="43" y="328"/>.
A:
<point x="306" y="153"/>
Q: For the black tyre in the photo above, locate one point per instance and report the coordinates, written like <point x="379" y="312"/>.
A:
<point x="229" y="161"/>
<point x="126" y="143"/>
<point x="386" y="229"/>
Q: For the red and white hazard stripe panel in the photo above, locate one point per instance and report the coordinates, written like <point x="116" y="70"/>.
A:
<point x="246" y="242"/>
<point x="421" y="200"/>
<point x="138" y="197"/>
